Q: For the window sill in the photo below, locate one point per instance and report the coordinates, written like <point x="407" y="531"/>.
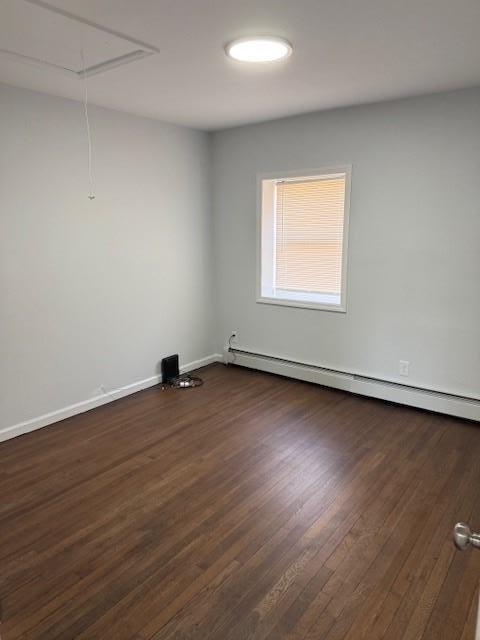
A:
<point x="302" y="304"/>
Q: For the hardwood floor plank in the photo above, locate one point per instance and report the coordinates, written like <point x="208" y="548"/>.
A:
<point x="252" y="507"/>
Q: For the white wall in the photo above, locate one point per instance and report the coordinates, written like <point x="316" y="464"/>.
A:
<point x="88" y="295"/>
<point x="414" y="246"/>
<point x="96" y="293"/>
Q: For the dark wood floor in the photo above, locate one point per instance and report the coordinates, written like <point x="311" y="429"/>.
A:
<point x="252" y="507"/>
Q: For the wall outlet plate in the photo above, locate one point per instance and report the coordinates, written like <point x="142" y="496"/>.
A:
<point x="403" y="367"/>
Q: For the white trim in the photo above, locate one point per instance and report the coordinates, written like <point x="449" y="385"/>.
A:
<point x="203" y="362"/>
<point x="340" y="169"/>
<point x="142" y="49"/>
<point x="392" y="391"/>
<point x="91" y="71"/>
<point x="97" y="401"/>
<point x="301" y="304"/>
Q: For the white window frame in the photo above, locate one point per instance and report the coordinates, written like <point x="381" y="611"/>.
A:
<point x="265" y="258"/>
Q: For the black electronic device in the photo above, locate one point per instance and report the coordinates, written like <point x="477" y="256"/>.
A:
<point x="170" y="368"/>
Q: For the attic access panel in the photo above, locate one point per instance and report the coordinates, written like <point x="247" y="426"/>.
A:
<point x="38" y="33"/>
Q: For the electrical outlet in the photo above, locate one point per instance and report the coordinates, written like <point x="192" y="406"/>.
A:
<point x="403" y="367"/>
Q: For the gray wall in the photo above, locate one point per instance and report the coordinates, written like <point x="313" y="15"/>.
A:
<point x="88" y="293"/>
<point x="414" y="244"/>
<point x="87" y="299"/>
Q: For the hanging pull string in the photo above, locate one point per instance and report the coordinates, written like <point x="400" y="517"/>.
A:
<point x="91" y="195"/>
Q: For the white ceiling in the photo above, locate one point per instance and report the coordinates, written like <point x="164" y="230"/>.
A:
<point x="52" y="38"/>
<point x="345" y="52"/>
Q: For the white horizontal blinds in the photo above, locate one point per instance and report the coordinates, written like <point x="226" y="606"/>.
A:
<point x="309" y="218"/>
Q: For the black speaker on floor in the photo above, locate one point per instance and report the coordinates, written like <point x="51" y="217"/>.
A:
<point x="170" y="368"/>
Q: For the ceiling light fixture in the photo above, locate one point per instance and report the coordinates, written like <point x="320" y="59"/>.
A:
<point x="258" y="49"/>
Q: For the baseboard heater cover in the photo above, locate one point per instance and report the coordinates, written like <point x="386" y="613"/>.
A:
<point x="430" y="399"/>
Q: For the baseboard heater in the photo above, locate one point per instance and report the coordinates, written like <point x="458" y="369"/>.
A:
<point x="423" y="398"/>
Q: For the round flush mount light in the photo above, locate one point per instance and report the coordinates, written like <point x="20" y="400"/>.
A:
<point x="258" y="49"/>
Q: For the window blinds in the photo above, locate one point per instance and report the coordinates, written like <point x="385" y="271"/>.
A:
<point x="309" y="219"/>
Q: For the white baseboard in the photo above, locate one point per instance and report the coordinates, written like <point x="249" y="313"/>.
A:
<point x="429" y="399"/>
<point x="86" y="405"/>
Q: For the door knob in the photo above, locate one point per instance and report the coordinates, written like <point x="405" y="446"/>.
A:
<point x="463" y="537"/>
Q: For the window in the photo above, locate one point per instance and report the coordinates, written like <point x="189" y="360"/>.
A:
<point x="303" y="239"/>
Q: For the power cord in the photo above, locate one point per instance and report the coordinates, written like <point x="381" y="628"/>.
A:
<point x="229" y="350"/>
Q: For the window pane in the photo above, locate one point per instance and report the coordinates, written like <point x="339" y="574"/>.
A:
<point x="309" y="219"/>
